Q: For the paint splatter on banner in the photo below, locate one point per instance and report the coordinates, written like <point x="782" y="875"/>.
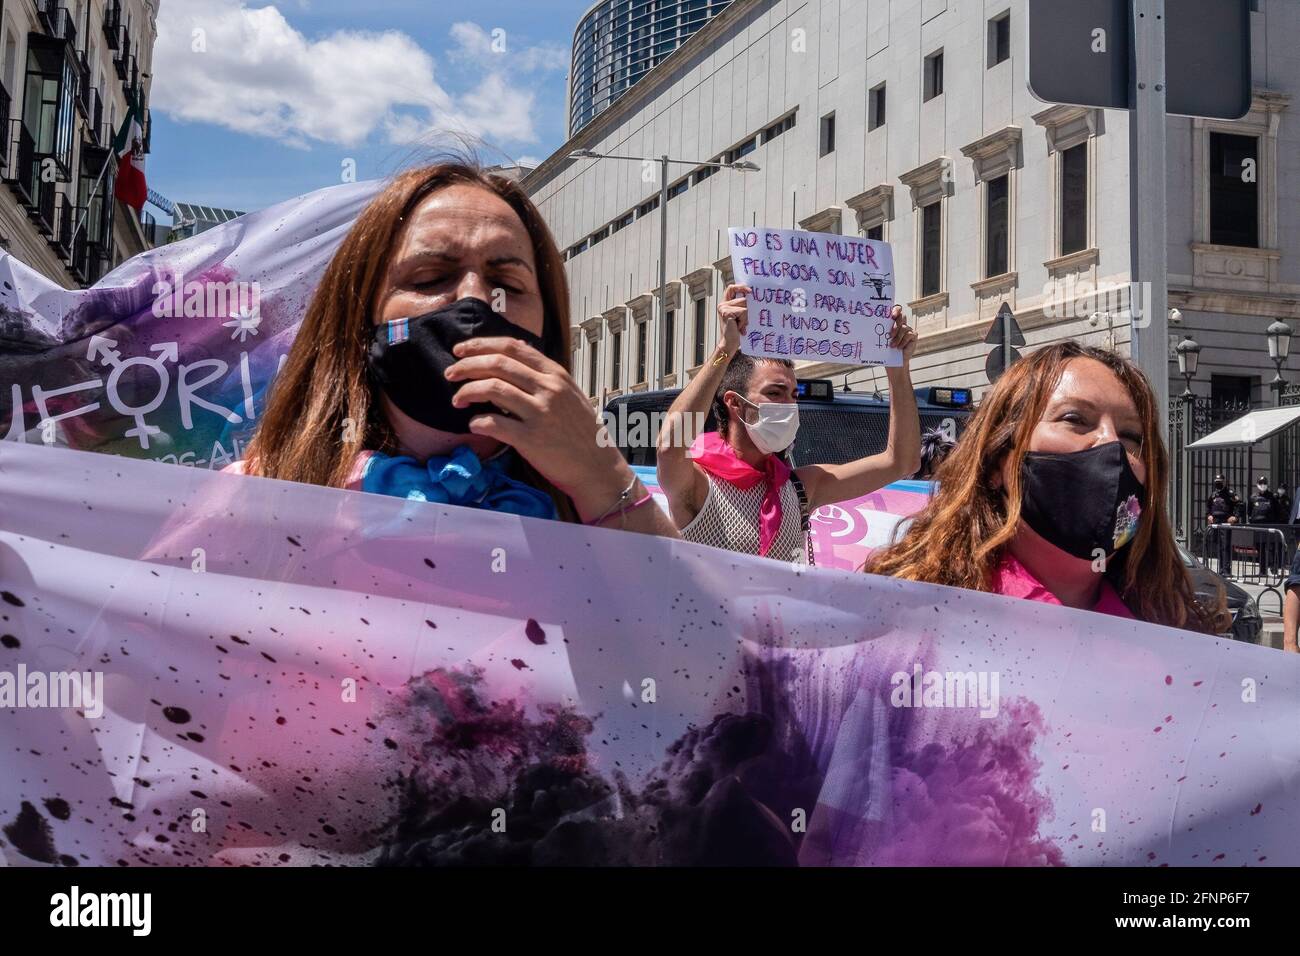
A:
<point x="271" y="673"/>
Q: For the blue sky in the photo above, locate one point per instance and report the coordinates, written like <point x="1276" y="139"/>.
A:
<point x="257" y="102"/>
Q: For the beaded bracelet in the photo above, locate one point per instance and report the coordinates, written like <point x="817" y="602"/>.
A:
<point x="618" y="504"/>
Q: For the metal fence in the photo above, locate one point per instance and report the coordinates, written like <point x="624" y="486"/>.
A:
<point x="1192" y="477"/>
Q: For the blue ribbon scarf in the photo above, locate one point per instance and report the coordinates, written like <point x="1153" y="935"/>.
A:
<point x="459" y="479"/>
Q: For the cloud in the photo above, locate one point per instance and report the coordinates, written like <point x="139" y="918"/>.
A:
<point x="247" y="69"/>
<point x="497" y="51"/>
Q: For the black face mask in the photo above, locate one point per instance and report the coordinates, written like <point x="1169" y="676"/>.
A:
<point x="408" y="357"/>
<point x="1082" y="501"/>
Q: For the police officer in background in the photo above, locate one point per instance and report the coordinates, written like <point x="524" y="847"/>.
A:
<point x="1221" y="508"/>
<point x="1283" y="504"/>
<point x="1264" y="510"/>
<point x="1263" y="504"/>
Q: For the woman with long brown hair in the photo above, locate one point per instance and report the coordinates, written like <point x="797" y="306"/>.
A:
<point x="1057" y="492"/>
<point x="432" y="364"/>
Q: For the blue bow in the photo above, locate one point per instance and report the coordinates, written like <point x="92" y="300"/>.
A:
<point x="461" y="479"/>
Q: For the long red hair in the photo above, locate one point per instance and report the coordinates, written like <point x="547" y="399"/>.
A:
<point x="960" y="536"/>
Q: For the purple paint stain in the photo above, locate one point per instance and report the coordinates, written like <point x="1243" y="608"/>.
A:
<point x="972" y="801"/>
<point x="533" y="631"/>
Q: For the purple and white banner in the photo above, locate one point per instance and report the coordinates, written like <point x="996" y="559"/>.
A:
<point x="204" y="668"/>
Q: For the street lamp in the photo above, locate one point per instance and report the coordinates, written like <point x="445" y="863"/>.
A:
<point x="1189" y="356"/>
<point x="1279" y="344"/>
<point x="743" y="166"/>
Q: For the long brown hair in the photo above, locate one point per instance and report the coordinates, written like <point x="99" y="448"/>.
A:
<point x="323" y="395"/>
<point x="960" y="536"/>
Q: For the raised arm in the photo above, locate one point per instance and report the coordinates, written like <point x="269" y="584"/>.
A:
<point x="827" y="484"/>
<point x="681" y="480"/>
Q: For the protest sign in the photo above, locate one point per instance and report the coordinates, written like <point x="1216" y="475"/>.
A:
<point x="270" y="673"/>
<point x="815" y="295"/>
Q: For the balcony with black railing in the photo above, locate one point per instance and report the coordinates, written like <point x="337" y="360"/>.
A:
<point x="113" y="25"/>
<point x="79" y="257"/>
<point x="131" y="80"/>
<point x="58" y="21"/>
<point x="61" y="237"/>
<point x="122" y="54"/>
<point x="22" y="174"/>
<point x="83" y="84"/>
<point x="5" y="102"/>
<point x="95" y="117"/>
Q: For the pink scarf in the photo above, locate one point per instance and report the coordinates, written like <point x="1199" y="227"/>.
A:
<point x="712" y="453"/>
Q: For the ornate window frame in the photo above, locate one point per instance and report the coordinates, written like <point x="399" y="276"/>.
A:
<point x="929" y="183"/>
<point x="1065" y="127"/>
<point x="993" y="156"/>
<point x="1239" y="268"/>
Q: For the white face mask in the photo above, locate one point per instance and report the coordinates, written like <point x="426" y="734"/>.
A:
<point x="776" y="426"/>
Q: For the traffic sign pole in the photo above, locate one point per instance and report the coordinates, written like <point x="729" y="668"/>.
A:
<point x="1148" y="303"/>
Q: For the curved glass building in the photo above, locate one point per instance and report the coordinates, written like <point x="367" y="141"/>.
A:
<point x="618" y="41"/>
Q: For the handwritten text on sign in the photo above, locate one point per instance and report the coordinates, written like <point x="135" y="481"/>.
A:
<point x="816" y="295"/>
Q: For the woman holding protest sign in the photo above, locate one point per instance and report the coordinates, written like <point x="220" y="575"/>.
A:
<point x="1056" y="493"/>
<point x="432" y="364"/>
<point x="734" y="488"/>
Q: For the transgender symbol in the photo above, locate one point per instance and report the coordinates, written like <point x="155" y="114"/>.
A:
<point x="103" y="349"/>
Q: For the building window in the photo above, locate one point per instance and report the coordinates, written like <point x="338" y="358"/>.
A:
<point x="877" y="232"/>
<point x="933" y="81"/>
<point x="641" y="330"/>
<point x="593" y="366"/>
<point x="670" y="341"/>
<point x="647" y="207"/>
<point x="876" y="107"/>
<point x="744" y="149"/>
<point x="999" y="39"/>
<point x="679" y="187"/>
<point x="777" y="128"/>
<point x="598" y="235"/>
<point x="704" y="172"/>
<point x="1234" y="190"/>
<point x="997" y="225"/>
<point x="828" y="134"/>
<point x="577" y="248"/>
<point x="616" y="360"/>
<point x="700" y="329"/>
<point x="47" y="98"/>
<point x="1074" y="199"/>
<point x="622" y="222"/>
<point x="931" y="248"/>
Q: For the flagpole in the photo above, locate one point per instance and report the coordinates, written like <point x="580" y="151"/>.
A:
<point x="91" y="198"/>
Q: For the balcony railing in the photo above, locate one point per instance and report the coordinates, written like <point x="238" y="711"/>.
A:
<point x="95" y="117"/>
<point x="79" y="257"/>
<point x="4" y="128"/>
<point x="113" y="25"/>
<point x="58" y="21"/>
<point x="62" y="222"/>
<point x="122" y="54"/>
<point x="22" y="175"/>
<point x="84" y="88"/>
<point x="131" y="77"/>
